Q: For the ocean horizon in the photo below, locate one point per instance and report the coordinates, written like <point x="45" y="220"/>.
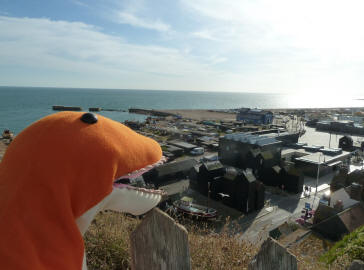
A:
<point x="20" y="106"/>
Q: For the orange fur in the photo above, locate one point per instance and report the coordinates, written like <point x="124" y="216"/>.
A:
<point x="52" y="173"/>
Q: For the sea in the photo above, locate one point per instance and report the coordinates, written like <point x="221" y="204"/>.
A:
<point x="20" y="106"/>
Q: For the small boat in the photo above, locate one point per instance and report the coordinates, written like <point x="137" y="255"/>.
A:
<point x="185" y="206"/>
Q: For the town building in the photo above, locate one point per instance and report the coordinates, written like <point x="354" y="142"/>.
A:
<point x="237" y="149"/>
<point x="209" y="172"/>
<point x="169" y="172"/>
<point x="243" y="190"/>
<point x="234" y="187"/>
<point x="255" y="116"/>
<point x="321" y="161"/>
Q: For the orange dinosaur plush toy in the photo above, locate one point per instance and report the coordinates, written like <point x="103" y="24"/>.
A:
<point x="54" y="178"/>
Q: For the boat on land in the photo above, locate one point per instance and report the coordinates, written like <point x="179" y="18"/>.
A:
<point x="187" y="207"/>
<point x="66" y="108"/>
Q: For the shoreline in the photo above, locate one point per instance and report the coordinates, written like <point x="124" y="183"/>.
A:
<point x="209" y="114"/>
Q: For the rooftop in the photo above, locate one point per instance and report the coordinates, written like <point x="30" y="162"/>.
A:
<point x="174" y="167"/>
<point x="320" y="158"/>
<point x="252" y="138"/>
<point x="182" y="144"/>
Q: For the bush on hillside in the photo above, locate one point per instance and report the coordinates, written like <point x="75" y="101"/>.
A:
<point x="350" y="248"/>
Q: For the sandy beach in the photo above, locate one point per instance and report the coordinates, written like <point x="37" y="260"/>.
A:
<point x="203" y="114"/>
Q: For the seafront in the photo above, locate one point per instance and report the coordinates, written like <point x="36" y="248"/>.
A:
<point x="261" y="177"/>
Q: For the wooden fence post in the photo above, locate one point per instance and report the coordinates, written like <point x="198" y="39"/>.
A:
<point x="159" y="243"/>
<point x="273" y="256"/>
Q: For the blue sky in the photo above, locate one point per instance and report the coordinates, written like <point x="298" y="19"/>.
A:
<point x="276" y="46"/>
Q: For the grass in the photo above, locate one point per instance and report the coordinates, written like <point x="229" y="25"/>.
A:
<point x="107" y="245"/>
<point x="350" y="248"/>
<point x="107" y="241"/>
<point x="308" y="253"/>
<point x="108" y="248"/>
<point x="223" y="250"/>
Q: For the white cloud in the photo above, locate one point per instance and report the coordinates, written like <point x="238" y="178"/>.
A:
<point x="131" y="19"/>
<point x="98" y="59"/>
<point x="327" y="26"/>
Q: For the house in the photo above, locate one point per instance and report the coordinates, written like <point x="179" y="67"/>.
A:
<point x="289" y="178"/>
<point x="343" y="198"/>
<point x="209" y="172"/>
<point x="344" y="222"/>
<point x="254" y="116"/>
<point x="245" y="192"/>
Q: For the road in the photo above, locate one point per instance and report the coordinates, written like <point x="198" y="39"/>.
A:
<point x="256" y="226"/>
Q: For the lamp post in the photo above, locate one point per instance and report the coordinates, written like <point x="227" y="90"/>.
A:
<point x="317" y="176"/>
<point x="208" y="195"/>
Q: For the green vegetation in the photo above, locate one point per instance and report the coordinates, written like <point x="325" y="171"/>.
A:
<point x="350" y="248"/>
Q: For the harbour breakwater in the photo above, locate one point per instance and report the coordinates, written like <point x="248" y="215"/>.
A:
<point x="77" y="108"/>
<point x="131" y="110"/>
<point x="151" y="112"/>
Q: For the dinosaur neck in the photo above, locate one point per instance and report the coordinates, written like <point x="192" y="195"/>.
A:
<point x="84" y="221"/>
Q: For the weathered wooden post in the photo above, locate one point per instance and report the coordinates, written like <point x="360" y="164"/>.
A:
<point x="273" y="256"/>
<point x="159" y="243"/>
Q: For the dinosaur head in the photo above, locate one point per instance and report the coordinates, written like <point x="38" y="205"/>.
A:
<point x="59" y="168"/>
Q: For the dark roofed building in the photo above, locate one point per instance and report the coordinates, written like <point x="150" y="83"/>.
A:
<point x="169" y="172"/>
<point x="245" y="192"/>
<point x="235" y="149"/>
<point x="293" y="179"/>
<point x="236" y="188"/>
<point x="271" y="176"/>
<point x="208" y="172"/>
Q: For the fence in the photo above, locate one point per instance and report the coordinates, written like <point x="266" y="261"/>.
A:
<point x="161" y="243"/>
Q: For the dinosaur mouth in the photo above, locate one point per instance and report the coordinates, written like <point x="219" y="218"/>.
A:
<point x="141" y="171"/>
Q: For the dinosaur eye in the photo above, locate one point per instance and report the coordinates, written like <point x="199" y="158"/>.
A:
<point x="89" y="118"/>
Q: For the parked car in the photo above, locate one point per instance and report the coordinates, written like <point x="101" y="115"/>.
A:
<point x="197" y="151"/>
